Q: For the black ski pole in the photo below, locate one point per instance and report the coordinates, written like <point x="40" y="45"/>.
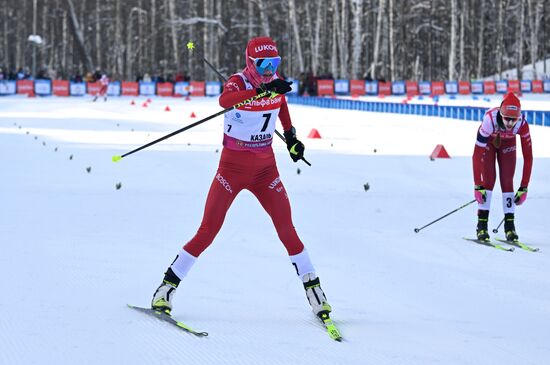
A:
<point x="191" y="48"/>
<point x="495" y="230"/>
<point x="416" y="230"/>
<point x="238" y="105"/>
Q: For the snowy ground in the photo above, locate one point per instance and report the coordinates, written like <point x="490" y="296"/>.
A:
<point x="75" y="250"/>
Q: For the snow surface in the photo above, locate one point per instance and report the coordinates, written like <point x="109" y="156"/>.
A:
<point x="75" y="250"/>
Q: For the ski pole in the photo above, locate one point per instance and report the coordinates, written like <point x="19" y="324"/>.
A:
<point x="416" y="230"/>
<point x="238" y="105"/>
<point x="191" y="48"/>
<point x="495" y="230"/>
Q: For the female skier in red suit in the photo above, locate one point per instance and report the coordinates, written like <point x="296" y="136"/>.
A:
<point x="496" y="141"/>
<point x="247" y="162"/>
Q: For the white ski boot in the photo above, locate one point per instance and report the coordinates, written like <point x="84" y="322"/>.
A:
<point x="162" y="299"/>
<point x="315" y="295"/>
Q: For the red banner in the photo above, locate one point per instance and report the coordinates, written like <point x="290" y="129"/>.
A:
<point x="489" y="87"/>
<point x="412" y="88"/>
<point x="438" y="88"/>
<point x="464" y="87"/>
<point x="60" y="87"/>
<point x="357" y="87"/>
<point x="513" y="86"/>
<point x="165" y="89"/>
<point x="384" y="88"/>
<point x="325" y="87"/>
<point x="130" y="88"/>
<point x="25" y="87"/>
<point x="537" y="86"/>
<point x="93" y="88"/>
<point x="197" y="88"/>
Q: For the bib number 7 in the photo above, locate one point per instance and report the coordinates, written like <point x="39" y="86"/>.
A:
<point x="267" y="117"/>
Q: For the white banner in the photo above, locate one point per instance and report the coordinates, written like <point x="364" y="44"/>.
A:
<point x="146" y="88"/>
<point x="451" y="87"/>
<point x="77" y="88"/>
<point x="113" y="89"/>
<point x="526" y="86"/>
<point x="213" y="88"/>
<point x="477" y="87"/>
<point x="43" y="87"/>
<point x="425" y="88"/>
<point x="371" y="87"/>
<point x="341" y="86"/>
<point x="502" y="86"/>
<point x="8" y="87"/>
<point x="398" y="88"/>
<point x="181" y="88"/>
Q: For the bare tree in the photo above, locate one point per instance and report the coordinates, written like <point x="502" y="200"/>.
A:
<point x="296" y="33"/>
<point x="357" y="32"/>
<point x="348" y="38"/>
<point x="79" y="36"/>
<point x="535" y="14"/>
<point x="377" y="36"/>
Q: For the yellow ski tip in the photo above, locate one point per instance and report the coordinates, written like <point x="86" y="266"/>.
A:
<point x="116" y="158"/>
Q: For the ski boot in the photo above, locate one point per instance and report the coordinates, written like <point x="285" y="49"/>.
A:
<point x="482" y="230"/>
<point x="162" y="299"/>
<point x="316" y="296"/>
<point x="510" y="228"/>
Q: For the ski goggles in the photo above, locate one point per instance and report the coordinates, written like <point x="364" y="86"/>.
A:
<point x="266" y="64"/>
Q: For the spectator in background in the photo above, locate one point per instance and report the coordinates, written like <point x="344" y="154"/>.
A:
<point x="77" y="77"/>
<point x="97" y="74"/>
<point x="21" y="74"/>
<point x="146" y="77"/>
<point x="311" y="84"/>
<point x="89" y="77"/>
<point x="302" y="83"/>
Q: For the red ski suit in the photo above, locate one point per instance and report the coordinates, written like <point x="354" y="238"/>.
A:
<point x="247" y="162"/>
<point x="496" y="143"/>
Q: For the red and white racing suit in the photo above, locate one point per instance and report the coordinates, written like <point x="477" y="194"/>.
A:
<point x="496" y="143"/>
<point x="247" y="162"/>
<point x="104" y="81"/>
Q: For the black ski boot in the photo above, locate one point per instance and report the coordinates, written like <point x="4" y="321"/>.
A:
<point x="482" y="230"/>
<point x="509" y="227"/>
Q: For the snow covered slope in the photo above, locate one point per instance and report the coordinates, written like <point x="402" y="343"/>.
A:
<point x="75" y="250"/>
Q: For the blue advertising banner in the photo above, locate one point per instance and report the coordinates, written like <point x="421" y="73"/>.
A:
<point x="213" y="88"/>
<point x="147" y="88"/>
<point x="8" y="87"/>
<point x="43" y="87"/>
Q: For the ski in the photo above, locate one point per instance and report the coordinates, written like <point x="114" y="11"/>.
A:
<point x="519" y="244"/>
<point x="330" y="327"/>
<point x="490" y="244"/>
<point x="168" y="319"/>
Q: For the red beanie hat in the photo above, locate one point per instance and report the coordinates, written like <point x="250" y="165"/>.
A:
<point x="510" y="106"/>
<point x="261" y="47"/>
